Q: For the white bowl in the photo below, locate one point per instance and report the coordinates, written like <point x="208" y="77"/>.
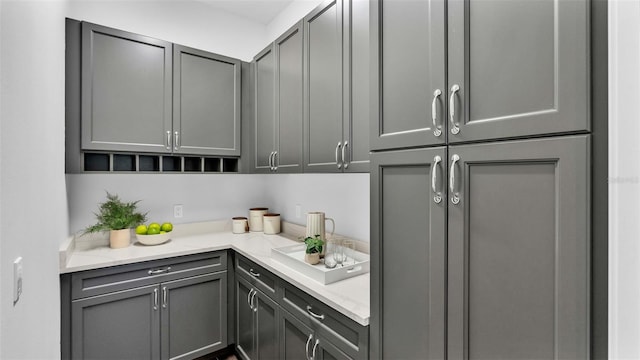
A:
<point x="154" y="239"/>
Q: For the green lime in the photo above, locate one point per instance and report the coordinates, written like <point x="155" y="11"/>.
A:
<point x="162" y="232"/>
<point x="141" y="229"/>
<point x="167" y="227"/>
<point x="154" y="226"/>
<point x="153" y="231"/>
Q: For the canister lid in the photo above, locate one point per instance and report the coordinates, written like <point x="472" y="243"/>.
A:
<point x="239" y="218"/>
<point x="271" y="214"/>
<point x="259" y="209"/>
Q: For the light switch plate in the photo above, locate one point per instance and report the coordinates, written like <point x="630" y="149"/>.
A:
<point x="17" y="279"/>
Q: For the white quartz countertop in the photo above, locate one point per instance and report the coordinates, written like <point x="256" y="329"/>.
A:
<point x="349" y="297"/>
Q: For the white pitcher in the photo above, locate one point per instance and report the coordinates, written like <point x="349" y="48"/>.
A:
<point x="315" y="224"/>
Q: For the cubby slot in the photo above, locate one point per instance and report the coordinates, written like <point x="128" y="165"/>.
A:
<point x="171" y="163"/>
<point x="148" y="163"/>
<point x="96" y="162"/>
<point x="192" y="164"/>
<point x="212" y="165"/>
<point x="230" y="165"/>
<point x="124" y="162"/>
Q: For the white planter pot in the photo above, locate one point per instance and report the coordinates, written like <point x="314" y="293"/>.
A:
<point x="119" y="238"/>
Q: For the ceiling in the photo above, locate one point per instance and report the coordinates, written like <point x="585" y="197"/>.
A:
<point x="262" y="11"/>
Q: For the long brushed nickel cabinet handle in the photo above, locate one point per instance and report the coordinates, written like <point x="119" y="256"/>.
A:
<point x="437" y="195"/>
<point x="452" y="109"/>
<point x="434" y="112"/>
<point x="168" y="145"/>
<point x="455" y="198"/>
<point x="345" y="164"/>
<point x="338" y="163"/>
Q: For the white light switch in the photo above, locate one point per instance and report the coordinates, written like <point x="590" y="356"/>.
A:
<point x="177" y="211"/>
<point x="17" y="279"/>
<point x="298" y="212"/>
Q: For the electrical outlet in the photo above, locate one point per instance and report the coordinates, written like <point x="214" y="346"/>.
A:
<point x="177" y="211"/>
<point x="17" y="279"/>
<point x="298" y="212"/>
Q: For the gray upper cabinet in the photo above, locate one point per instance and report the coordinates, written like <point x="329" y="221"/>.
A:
<point x="264" y="128"/>
<point x="336" y="87"/>
<point x="206" y="103"/>
<point x="278" y="99"/>
<point x="522" y="68"/>
<point x="141" y="94"/>
<point x="408" y="253"/>
<point x="408" y="95"/>
<point x="514" y="69"/>
<point x="126" y="90"/>
<point x="323" y="88"/>
<point x="518" y="250"/>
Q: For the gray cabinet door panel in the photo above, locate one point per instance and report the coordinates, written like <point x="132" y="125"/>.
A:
<point x="295" y="338"/>
<point x="518" y="250"/>
<point x="289" y="107"/>
<point x="356" y="101"/>
<point x="324" y="350"/>
<point x="267" y="334"/>
<point x="407" y="66"/>
<point x="522" y="67"/>
<point x="408" y="251"/>
<point x="244" y="320"/>
<point x="323" y="87"/>
<point x="194" y="316"/>
<point x="120" y="325"/>
<point x="264" y="66"/>
<point x="126" y="90"/>
<point x="206" y="96"/>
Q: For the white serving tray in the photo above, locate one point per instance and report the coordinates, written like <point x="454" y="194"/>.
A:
<point x="293" y="257"/>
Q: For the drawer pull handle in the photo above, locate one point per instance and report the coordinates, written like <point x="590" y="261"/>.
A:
<point x="306" y="346"/>
<point x="159" y="271"/>
<point x="253" y="273"/>
<point x="319" y="317"/>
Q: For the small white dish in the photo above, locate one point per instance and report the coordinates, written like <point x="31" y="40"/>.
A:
<point x="154" y="239"/>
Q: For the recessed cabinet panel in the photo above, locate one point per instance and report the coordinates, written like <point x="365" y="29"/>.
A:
<point x="323" y="87"/>
<point x="264" y="65"/>
<point x="408" y="78"/>
<point x="289" y="101"/>
<point x="522" y="68"/>
<point x="126" y="90"/>
<point x="518" y="246"/>
<point x="408" y="244"/>
<point x="206" y="103"/>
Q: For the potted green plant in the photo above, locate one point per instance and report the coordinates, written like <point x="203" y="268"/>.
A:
<point x="313" y="250"/>
<point x="118" y="217"/>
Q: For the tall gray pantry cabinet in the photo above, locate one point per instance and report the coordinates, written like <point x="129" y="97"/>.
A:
<point x="480" y="179"/>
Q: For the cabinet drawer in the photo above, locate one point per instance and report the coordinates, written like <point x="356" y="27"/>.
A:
<point x="256" y="275"/>
<point x="345" y="333"/>
<point x="102" y="281"/>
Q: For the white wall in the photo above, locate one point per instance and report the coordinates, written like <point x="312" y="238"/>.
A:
<point x="624" y="179"/>
<point x="32" y="189"/>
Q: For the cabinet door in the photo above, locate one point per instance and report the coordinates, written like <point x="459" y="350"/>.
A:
<point x="522" y="68"/>
<point x="126" y="90"/>
<point x="120" y="325"/>
<point x="206" y="103"/>
<point x="408" y="251"/>
<point x="356" y="98"/>
<point x="408" y="73"/>
<point x="264" y="127"/>
<point x="295" y="338"/>
<point x="288" y="158"/>
<point x="194" y="316"/>
<point x="267" y="315"/>
<point x="324" y="350"/>
<point x="244" y="319"/>
<point x="518" y="245"/>
<point x="323" y="88"/>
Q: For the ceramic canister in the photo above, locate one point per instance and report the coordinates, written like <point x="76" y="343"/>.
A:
<point x="271" y="223"/>
<point x="240" y="225"/>
<point x="255" y="218"/>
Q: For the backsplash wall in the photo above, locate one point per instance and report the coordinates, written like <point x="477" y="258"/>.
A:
<point x="343" y="197"/>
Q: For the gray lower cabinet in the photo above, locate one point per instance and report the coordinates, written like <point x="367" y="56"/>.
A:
<point x="206" y="103"/>
<point x="165" y="309"/>
<point x="514" y="69"/>
<point x="299" y="341"/>
<point x="517" y="244"/>
<point x="336" y="87"/>
<point x="256" y="323"/>
<point x="278" y="99"/>
<point x="126" y="90"/>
